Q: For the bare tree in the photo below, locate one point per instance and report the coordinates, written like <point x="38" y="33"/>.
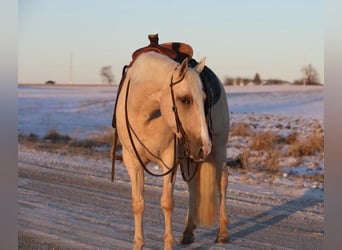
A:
<point x="257" y="79"/>
<point x="310" y="75"/>
<point x="106" y="74"/>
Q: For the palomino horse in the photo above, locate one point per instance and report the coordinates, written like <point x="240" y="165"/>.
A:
<point x="160" y="116"/>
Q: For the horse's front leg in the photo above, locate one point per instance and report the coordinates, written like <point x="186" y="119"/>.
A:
<point x="167" y="204"/>
<point x="190" y="223"/>
<point x="222" y="181"/>
<point x="136" y="174"/>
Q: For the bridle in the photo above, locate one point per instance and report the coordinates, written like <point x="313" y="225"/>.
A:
<point x="181" y="139"/>
<point x="179" y="127"/>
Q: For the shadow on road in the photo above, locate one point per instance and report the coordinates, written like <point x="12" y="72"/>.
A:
<point x="244" y="227"/>
<point x="274" y="215"/>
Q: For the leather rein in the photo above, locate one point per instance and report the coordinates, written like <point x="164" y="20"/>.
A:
<point x="180" y="140"/>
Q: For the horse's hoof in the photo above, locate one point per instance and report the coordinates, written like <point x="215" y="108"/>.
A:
<point x="168" y="247"/>
<point x="187" y="239"/>
<point x="138" y="245"/>
<point x="222" y="239"/>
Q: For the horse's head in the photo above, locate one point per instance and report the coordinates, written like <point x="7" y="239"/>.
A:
<point x="183" y="108"/>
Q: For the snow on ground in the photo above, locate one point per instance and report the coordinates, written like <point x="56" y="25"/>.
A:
<point x="80" y="111"/>
<point x="305" y="101"/>
<point x="76" y="111"/>
<point x="283" y="110"/>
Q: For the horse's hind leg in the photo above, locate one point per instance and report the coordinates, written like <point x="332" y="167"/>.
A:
<point x="136" y="174"/>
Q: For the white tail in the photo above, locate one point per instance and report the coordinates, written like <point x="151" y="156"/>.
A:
<point x="206" y="194"/>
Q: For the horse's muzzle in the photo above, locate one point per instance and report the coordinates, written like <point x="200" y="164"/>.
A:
<point x="202" y="153"/>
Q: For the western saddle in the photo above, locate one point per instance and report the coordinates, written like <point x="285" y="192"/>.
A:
<point x="175" y="50"/>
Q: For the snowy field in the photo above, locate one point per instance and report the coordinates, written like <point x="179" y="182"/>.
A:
<point x="82" y="111"/>
<point x="300" y="101"/>
<point x="76" y="111"/>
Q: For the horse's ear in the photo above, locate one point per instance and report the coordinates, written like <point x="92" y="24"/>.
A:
<point x="182" y="68"/>
<point x="199" y="67"/>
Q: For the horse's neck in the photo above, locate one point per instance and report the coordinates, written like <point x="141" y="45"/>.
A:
<point x="148" y="82"/>
<point x="144" y="96"/>
<point x="144" y="103"/>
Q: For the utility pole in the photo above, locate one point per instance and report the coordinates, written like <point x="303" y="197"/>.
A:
<point x="70" y="70"/>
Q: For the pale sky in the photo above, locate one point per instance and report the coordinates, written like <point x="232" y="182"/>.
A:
<point x="274" y="38"/>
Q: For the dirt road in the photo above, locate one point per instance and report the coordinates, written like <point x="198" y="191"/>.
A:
<point x="70" y="203"/>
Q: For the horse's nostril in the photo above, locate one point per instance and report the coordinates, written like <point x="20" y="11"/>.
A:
<point x="201" y="153"/>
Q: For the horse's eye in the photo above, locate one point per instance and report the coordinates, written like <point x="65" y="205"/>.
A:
<point x="185" y="100"/>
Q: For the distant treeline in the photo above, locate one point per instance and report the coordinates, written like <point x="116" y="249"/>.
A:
<point x="310" y="77"/>
<point x="238" y="81"/>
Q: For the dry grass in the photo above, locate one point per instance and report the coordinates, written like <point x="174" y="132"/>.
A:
<point x="104" y="137"/>
<point x="310" y="146"/>
<point x="292" y="138"/>
<point x="317" y="177"/>
<point x="264" y="141"/>
<point x="265" y="149"/>
<point x="95" y="147"/>
<point x="55" y="137"/>
<point x="241" y="162"/>
<point x="240" y="129"/>
<point x="245" y="159"/>
<point x="260" y="151"/>
<point x="28" y="138"/>
<point x="272" y="161"/>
